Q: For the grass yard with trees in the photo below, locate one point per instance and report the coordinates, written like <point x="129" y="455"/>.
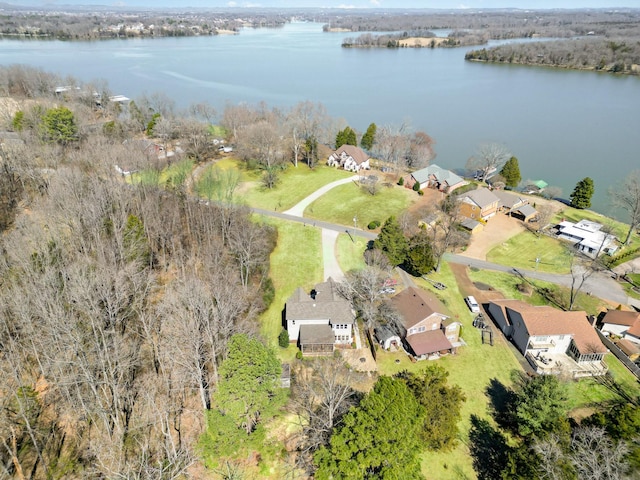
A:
<point x="349" y="201"/>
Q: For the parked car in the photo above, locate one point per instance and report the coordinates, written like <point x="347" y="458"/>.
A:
<point x="472" y="304"/>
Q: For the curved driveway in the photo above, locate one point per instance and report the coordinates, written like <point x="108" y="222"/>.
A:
<point x="298" y="209"/>
<point x="329" y="231"/>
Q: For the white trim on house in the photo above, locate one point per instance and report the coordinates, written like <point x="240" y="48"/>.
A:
<point x="587" y="237"/>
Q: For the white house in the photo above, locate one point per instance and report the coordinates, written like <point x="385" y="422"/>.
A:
<point x="588" y="237"/>
<point x="552" y="341"/>
<point x="350" y="158"/>
<point x="320" y="319"/>
<point x="624" y="324"/>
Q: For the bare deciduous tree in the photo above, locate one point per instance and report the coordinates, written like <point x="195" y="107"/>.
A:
<point x="627" y="198"/>
<point x="489" y="158"/>
<point x="322" y="393"/>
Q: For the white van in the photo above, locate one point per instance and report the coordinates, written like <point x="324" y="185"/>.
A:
<point x="472" y="304"/>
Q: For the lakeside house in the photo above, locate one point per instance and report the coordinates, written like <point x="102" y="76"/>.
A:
<point x="587" y="237"/>
<point x="480" y="204"/>
<point x="319" y="320"/>
<point x="535" y="187"/>
<point x="515" y="205"/>
<point x="427" y="333"/>
<point x="624" y="324"/>
<point x="552" y="341"/>
<point x="350" y="158"/>
<point x="435" y="177"/>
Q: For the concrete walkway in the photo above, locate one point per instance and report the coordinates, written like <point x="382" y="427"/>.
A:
<point x="298" y="209"/>
<point x="331" y="267"/>
<point x="329" y="236"/>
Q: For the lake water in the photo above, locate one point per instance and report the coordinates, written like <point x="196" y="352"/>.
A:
<point x="562" y="125"/>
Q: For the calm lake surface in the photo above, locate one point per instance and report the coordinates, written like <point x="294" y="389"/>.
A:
<point x="562" y="125"/>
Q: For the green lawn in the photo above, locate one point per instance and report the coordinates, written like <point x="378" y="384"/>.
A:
<point x="295" y="262"/>
<point x="174" y="175"/>
<point x="351" y="252"/>
<point x="472" y="369"/>
<point x="587" y="391"/>
<point x="619" y="229"/>
<point x="345" y="202"/>
<point x="507" y="283"/>
<point x="522" y="250"/>
<point x="295" y="185"/>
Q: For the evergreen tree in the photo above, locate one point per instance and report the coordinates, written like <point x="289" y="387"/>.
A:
<point x="59" y="126"/>
<point x="581" y="196"/>
<point x="511" y="173"/>
<point x="392" y="242"/>
<point x="249" y="388"/>
<point x="377" y="439"/>
<point x="420" y="259"/>
<point x="369" y="137"/>
<point x="346" y="137"/>
<point x="442" y="403"/>
<point x="540" y="406"/>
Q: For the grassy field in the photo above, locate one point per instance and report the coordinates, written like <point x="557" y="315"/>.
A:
<point x="351" y="252"/>
<point x="472" y="368"/>
<point x="349" y="201"/>
<point x="507" y="284"/>
<point x="522" y="250"/>
<point x="295" y="262"/>
<point x="295" y="184"/>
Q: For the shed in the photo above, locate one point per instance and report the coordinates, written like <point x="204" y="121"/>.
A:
<point x="472" y="225"/>
<point x="630" y="349"/>
<point x="386" y="337"/>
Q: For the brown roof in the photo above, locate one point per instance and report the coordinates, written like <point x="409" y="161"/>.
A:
<point x="549" y="321"/>
<point x="316" y="334"/>
<point x="545" y="320"/>
<point x="634" y="330"/>
<point x="621" y="317"/>
<point x="428" y="342"/>
<point x="328" y="304"/>
<point x="414" y="305"/>
<point x="629" y="348"/>
<point x="359" y="155"/>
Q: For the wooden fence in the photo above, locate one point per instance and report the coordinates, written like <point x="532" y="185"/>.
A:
<point x="633" y="368"/>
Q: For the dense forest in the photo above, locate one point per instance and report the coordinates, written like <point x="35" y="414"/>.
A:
<point x="600" y="54"/>
<point x="497" y="24"/>
<point x="117" y="301"/>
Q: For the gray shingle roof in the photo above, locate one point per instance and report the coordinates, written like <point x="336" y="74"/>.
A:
<point x="482" y="197"/>
<point x="316" y="334"/>
<point x="328" y="304"/>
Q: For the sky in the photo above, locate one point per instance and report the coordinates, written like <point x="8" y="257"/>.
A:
<point x="447" y="4"/>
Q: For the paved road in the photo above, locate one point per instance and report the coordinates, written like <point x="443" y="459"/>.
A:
<point x="599" y="284"/>
<point x="317" y="223"/>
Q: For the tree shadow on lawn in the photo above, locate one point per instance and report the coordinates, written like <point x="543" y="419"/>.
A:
<point x="502" y="400"/>
<point x="489" y="449"/>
